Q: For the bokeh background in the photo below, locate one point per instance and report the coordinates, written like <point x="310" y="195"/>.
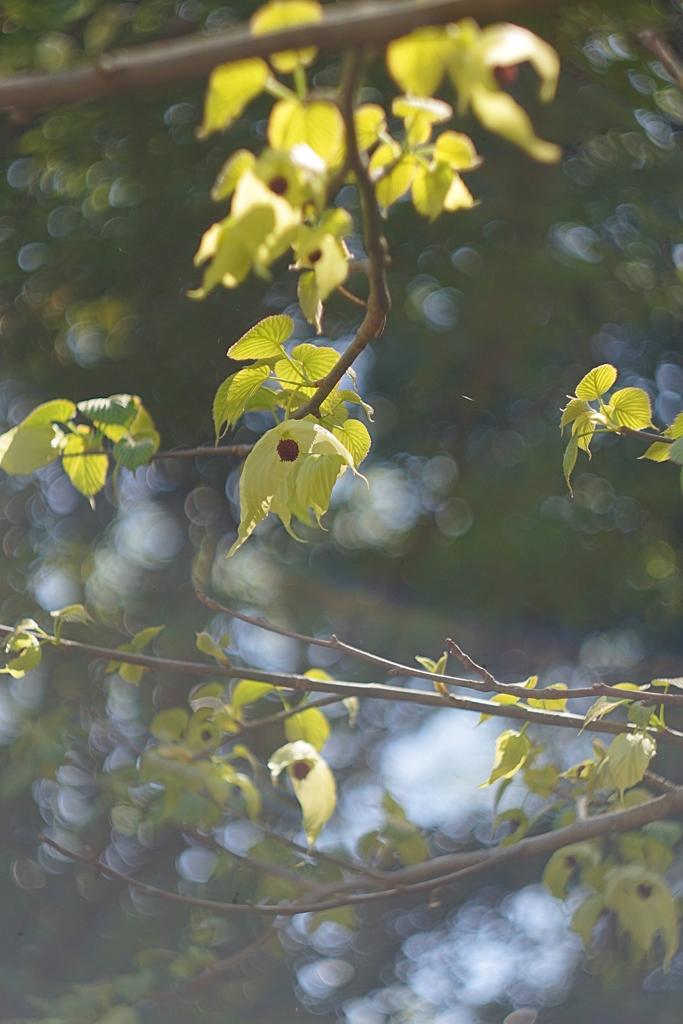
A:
<point x="466" y="528"/>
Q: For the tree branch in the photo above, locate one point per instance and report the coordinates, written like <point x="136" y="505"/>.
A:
<point x="379" y="299"/>
<point x="164" y="63"/>
<point x="645" y="435"/>
<point x="380" y="690"/>
<point x="489" y="683"/>
<point x="438" y="871"/>
<point x="656" y="43"/>
<point x="221" y="970"/>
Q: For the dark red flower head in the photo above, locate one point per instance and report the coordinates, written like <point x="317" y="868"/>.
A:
<point x="644" y="891"/>
<point x="288" y="449"/>
<point x="300" y="769"/>
<point x="506" y="75"/>
<point x="278" y="184"/>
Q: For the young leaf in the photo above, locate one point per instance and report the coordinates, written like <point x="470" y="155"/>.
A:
<point x="370" y="120"/>
<point x="24" y="449"/>
<point x="631" y="408"/>
<point x="550" y="705"/>
<point x="309" y="299"/>
<point x="312" y="781"/>
<point x="596" y="382"/>
<point x="232" y="170"/>
<point x="511" y="752"/>
<point x="644" y="906"/>
<point x="569" y="461"/>
<point x="207" y="645"/>
<point x="355" y="438"/>
<point x="133" y="452"/>
<point x="264" y="340"/>
<point x="628" y="756"/>
<point x="318" y="125"/>
<point x="429" y="189"/>
<point x="281" y="14"/>
<point x="244" y="386"/>
<point x="457" y="151"/>
<point x="393" y="173"/>
<point x="170" y="725"/>
<point x="316" y="360"/>
<point x="231" y="88"/>
<point x="117" y="410"/>
<point x="585" y="917"/>
<point x="248" y="691"/>
<point x="88" y="473"/>
<point x="417" y="61"/>
<point x="309" y="725"/>
<point x="565" y="862"/>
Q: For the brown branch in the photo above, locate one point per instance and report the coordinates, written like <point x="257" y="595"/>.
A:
<point x="219" y="972"/>
<point x="379" y="299"/>
<point x="351" y="297"/>
<point x="655" y="42"/>
<point x="395" y="668"/>
<point x="164" y="63"/>
<point x="645" y="435"/>
<point x="401" y="884"/>
<point x="194" y="453"/>
<point x="383" y="692"/>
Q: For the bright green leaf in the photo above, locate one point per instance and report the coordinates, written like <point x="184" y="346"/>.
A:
<point x="231" y="88"/>
<point x="596" y="382"/>
<point x="310" y="725"/>
<point x="264" y="340"/>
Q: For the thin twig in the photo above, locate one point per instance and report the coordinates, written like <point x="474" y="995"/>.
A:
<point x="379" y="299"/>
<point x="395" y="668"/>
<point x="655" y="42"/>
<point x="534" y="846"/>
<point x="645" y="435"/>
<point x="384" y="692"/>
<point x="351" y="297"/>
<point x="219" y="972"/>
<point x="169" y="61"/>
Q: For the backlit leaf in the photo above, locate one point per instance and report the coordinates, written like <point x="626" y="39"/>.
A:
<point x="457" y="150"/>
<point x="644" y="906"/>
<point x="631" y="408"/>
<point x="565" y="862"/>
<point x="317" y="124"/>
<point x="417" y="61"/>
<point x="370" y="120"/>
<point x="355" y="438"/>
<point x="248" y="691"/>
<point x="312" y="781"/>
<point x="232" y="170"/>
<point x="596" y="382"/>
<point x="88" y="473"/>
<point x="282" y="14"/>
<point x="309" y="299"/>
<point x="133" y="452"/>
<point x="264" y="340"/>
<point x="629" y="755"/>
<point x="231" y="88"/>
<point x="310" y="725"/>
<point x="511" y="752"/>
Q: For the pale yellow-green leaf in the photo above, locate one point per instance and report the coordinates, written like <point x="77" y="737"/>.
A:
<point x="265" y="472"/>
<point x="326" y="254"/>
<point x="498" y="112"/>
<point x="628" y="756"/>
<point x="603" y="705"/>
<point x="317" y="124"/>
<point x="282" y="14"/>
<point x="644" y="906"/>
<point x="457" y="150"/>
<point x="569" y="460"/>
<point x="370" y="120"/>
<point x="253" y="192"/>
<point x="60" y="410"/>
<point x="417" y="61"/>
<point x="207" y="645"/>
<point x="231" y="88"/>
<point x="170" y="725"/>
<point x="675" y="452"/>
<point x="312" y="781"/>
<point x="430" y="187"/>
<point x="583" y="429"/>
<point x="232" y="170"/>
<point x="244" y="385"/>
<point x="631" y="408"/>
<point x="575" y="408"/>
<point x="315" y="480"/>
<point x="506" y="45"/>
<point x="234" y="244"/>
<point x="316" y="360"/>
<point x="419" y="114"/>
<point x="550" y="705"/>
<point x="264" y="340"/>
<point x="511" y="752"/>
<point x="458" y="196"/>
<point x="27" y="449"/>
<point x="309" y="299"/>
<point x="248" y="691"/>
<point x="309" y="725"/>
<point x="355" y="437"/>
<point x="566" y="861"/>
<point x="392" y="172"/>
<point x="541" y="781"/>
<point x="657" y="452"/>
<point x="88" y="473"/>
<point x="596" y="382"/>
<point x="585" y="917"/>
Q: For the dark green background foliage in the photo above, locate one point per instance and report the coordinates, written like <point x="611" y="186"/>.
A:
<point x="467" y="529"/>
